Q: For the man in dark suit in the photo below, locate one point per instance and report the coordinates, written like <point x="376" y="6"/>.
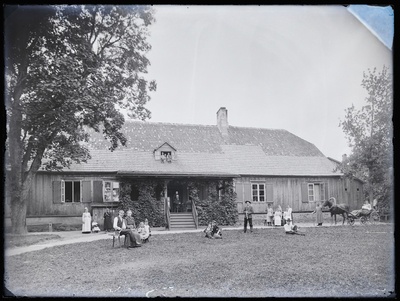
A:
<point x="248" y="211"/>
<point x="176" y="201"/>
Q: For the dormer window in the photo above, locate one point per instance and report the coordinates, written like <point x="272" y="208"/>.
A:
<point x="165" y="153"/>
<point x="166" y="157"/>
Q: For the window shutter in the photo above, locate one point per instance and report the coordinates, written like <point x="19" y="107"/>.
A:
<point x="247" y="192"/>
<point x="86" y="191"/>
<point x="239" y="192"/>
<point x="157" y="155"/>
<point x="326" y="191"/>
<point x="270" y="193"/>
<point x="62" y="191"/>
<point x="304" y="192"/>
<point x="98" y="191"/>
<point x="57" y="192"/>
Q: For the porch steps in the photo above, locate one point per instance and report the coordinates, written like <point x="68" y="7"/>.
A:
<point x="182" y="221"/>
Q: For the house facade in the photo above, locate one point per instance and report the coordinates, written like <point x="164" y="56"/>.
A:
<point x="265" y="166"/>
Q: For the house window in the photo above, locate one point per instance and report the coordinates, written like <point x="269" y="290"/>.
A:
<point x="166" y="157"/>
<point x="316" y="192"/>
<point x="258" y="192"/>
<point x="111" y="191"/>
<point x="71" y="191"/>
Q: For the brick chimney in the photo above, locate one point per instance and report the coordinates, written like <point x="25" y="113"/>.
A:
<point x="222" y="121"/>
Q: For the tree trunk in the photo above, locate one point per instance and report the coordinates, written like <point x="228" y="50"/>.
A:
<point x="18" y="216"/>
<point x="18" y="205"/>
<point x="370" y="187"/>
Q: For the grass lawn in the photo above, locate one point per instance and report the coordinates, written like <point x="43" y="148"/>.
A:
<point x="331" y="261"/>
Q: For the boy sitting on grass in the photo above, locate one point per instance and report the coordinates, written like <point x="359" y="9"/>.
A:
<point x="213" y="231"/>
<point x="291" y="229"/>
<point x="208" y="231"/>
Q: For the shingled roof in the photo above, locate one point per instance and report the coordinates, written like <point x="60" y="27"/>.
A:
<point x="147" y="136"/>
<point x="202" y="150"/>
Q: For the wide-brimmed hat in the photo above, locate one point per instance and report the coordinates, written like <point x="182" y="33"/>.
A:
<point x="248" y="202"/>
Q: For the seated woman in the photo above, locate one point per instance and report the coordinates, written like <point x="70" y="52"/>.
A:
<point x="143" y="232"/>
<point x="366" y="208"/>
<point x="292" y="229"/>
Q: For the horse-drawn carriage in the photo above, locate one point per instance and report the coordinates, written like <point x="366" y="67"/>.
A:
<point x="372" y="216"/>
<point x="343" y="209"/>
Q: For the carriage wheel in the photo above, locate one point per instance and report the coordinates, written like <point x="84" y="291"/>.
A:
<point x="351" y="221"/>
<point x="363" y="220"/>
<point x="374" y="217"/>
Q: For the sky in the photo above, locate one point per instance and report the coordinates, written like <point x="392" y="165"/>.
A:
<point x="278" y="67"/>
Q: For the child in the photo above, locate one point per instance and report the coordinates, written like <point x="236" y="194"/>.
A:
<point x="291" y="229"/>
<point x="95" y="227"/>
<point x="270" y="215"/>
<point x="216" y="231"/>
<point x="208" y="231"/>
<point x="142" y="232"/>
<point x="147" y="227"/>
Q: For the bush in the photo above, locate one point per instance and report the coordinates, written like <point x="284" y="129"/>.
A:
<point x="219" y="202"/>
<point x="146" y="205"/>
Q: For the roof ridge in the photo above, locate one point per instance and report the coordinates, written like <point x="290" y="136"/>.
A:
<point x="169" y="123"/>
<point x="258" y="128"/>
<point x="197" y="124"/>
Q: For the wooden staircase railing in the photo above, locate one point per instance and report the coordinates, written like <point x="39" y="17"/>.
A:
<point x="194" y="213"/>
<point x="166" y="212"/>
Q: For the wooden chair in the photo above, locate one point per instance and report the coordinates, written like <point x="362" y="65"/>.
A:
<point x="116" y="235"/>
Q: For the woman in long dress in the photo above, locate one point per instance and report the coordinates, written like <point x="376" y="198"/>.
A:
<point x="318" y="211"/>
<point x="108" y="223"/>
<point x="86" y="221"/>
<point x="278" y="216"/>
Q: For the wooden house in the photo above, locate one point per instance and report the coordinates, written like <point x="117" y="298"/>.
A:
<point x="266" y="166"/>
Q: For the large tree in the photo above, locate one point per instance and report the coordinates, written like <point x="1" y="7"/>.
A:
<point x="67" y="69"/>
<point x="369" y="131"/>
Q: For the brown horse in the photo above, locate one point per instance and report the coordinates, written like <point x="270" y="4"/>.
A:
<point x="341" y="209"/>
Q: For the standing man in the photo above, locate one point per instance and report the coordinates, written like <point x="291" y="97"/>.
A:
<point x="176" y="201"/>
<point x="248" y="211"/>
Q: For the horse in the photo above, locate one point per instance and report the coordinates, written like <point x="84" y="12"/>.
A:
<point x="341" y="209"/>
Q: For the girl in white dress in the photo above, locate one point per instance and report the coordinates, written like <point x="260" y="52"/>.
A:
<point x="86" y="221"/>
<point x="143" y="232"/>
<point x="278" y="216"/>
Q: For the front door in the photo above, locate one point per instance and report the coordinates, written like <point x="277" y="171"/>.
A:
<point x="178" y="195"/>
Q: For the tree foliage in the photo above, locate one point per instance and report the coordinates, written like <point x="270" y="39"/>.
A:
<point x="69" y="68"/>
<point x="369" y="131"/>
